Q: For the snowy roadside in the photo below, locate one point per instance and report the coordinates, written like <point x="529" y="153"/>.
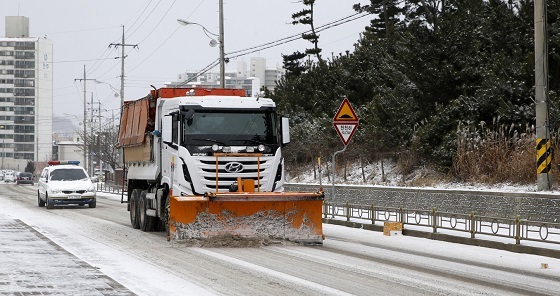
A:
<point x="388" y="177"/>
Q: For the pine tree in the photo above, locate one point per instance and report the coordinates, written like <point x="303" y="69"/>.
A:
<point x="293" y="62"/>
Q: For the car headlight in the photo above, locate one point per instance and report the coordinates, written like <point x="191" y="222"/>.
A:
<point x="55" y="191"/>
<point x="92" y="188"/>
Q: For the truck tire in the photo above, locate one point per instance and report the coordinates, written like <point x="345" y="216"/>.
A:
<point x="147" y="223"/>
<point x="165" y="218"/>
<point x="133" y="203"/>
<point x="40" y="202"/>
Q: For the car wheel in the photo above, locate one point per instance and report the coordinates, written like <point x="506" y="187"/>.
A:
<point x="50" y="204"/>
<point x="93" y="204"/>
<point x="40" y="202"/>
<point x="146" y="222"/>
<point x="133" y="204"/>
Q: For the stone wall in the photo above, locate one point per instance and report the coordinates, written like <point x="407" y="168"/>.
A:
<point x="537" y="206"/>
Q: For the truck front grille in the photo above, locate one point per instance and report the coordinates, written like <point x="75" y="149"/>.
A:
<point x="259" y="171"/>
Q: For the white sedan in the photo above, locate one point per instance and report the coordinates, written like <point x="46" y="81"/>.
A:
<point x="65" y="183"/>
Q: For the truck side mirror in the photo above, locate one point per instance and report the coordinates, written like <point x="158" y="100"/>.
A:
<point x="285" y="130"/>
<point x="167" y="127"/>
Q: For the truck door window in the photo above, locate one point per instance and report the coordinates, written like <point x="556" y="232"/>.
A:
<point x="175" y="130"/>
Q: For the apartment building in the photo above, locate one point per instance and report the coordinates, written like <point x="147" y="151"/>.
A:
<point x="26" y="95"/>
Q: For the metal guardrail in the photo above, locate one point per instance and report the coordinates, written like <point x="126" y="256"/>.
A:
<point x="516" y="229"/>
<point x="110" y="188"/>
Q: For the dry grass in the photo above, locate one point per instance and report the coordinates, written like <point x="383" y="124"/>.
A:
<point x="503" y="154"/>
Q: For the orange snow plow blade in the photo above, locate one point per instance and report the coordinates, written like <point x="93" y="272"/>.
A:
<point x="292" y="216"/>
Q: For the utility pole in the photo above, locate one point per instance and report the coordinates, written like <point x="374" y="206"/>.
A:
<point x="85" y="119"/>
<point x="221" y="41"/>
<point x="122" y="45"/>
<point x="99" y="138"/>
<point x="544" y="148"/>
<point x="91" y="153"/>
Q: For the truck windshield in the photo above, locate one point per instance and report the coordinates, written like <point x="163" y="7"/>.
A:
<point x="230" y="128"/>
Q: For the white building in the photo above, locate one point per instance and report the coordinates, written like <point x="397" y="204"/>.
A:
<point x="70" y="150"/>
<point x="242" y="78"/>
<point x="26" y="95"/>
<point x="257" y="68"/>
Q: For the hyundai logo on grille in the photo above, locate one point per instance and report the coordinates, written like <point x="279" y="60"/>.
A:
<point x="234" y="167"/>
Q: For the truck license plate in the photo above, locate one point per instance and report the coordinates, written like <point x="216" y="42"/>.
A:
<point x="74" y="196"/>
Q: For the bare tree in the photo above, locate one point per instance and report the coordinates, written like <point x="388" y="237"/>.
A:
<point x="101" y="144"/>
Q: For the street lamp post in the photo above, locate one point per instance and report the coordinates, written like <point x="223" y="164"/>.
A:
<point x="114" y="89"/>
<point x="213" y="42"/>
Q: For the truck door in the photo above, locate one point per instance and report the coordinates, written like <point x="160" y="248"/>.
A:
<point x="170" y="139"/>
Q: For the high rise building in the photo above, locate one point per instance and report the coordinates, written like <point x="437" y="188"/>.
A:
<point x="26" y="96"/>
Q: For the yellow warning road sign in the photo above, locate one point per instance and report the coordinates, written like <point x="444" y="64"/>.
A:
<point x="345" y="121"/>
<point x="345" y="112"/>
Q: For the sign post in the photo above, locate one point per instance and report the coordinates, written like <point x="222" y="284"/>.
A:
<point x="346" y="123"/>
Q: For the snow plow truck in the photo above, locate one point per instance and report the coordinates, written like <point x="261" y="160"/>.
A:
<point x="207" y="163"/>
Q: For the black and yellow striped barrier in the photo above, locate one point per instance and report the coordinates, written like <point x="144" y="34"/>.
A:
<point x="544" y="156"/>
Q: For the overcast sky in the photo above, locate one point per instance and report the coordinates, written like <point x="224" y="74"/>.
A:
<point x="81" y="32"/>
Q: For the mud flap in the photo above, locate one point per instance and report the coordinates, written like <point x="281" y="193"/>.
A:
<point x="287" y="216"/>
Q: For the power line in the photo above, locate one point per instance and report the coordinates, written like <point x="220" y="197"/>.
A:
<point x="123" y="45"/>
<point x="77" y="31"/>
<point x="201" y="72"/>
<point x="154" y="51"/>
<point x="162" y="43"/>
<point x="288" y="39"/>
<point x="159" y="22"/>
<point x="139" y="16"/>
<point x="278" y="42"/>
<point x="75" y="61"/>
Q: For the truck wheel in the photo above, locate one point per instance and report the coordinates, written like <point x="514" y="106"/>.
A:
<point x="40" y="202"/>
<point x="165" y="218"/>
<point x="133" y="203"/>
<point x="146" y="222"/>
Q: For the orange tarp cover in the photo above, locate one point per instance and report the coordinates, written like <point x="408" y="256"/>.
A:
<point x="133" y="123"/>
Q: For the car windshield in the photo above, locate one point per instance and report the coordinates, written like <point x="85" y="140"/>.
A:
<point x="68" y="175"/>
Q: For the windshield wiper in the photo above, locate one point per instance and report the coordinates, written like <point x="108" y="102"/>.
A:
<point x="209" y="140"/>
<point x="250" y="141"/>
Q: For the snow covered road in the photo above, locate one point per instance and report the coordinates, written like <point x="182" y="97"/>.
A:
<point x="351" y="261"/>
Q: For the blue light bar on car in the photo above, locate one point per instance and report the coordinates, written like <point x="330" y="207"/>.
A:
<point x="58" y="162"/>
